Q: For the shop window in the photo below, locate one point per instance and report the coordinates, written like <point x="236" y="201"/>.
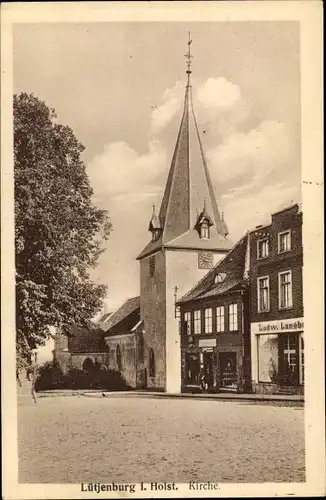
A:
<point x="263" y="293"/>
<point x="233" y="317"/>
<point x="118" y="358"/>
<point x="284" y="241"/>
<point x="152" y="367"/>
<point x="208" y="320"/>
<point x="220" y="319"/>
<point x="262" y="249"/>
<point x="278" y="359"/>
<point x="197" y="322"/>
<point x="285" y="290"/>
<point x="187" y="322"/>
<point x="268" y="358"/>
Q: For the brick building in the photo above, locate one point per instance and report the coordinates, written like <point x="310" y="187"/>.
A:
<point x="276" y="304"/>
<point x="214" y="327"/>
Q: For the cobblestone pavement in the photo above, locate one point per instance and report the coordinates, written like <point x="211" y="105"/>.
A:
<point x="82" y="439"/>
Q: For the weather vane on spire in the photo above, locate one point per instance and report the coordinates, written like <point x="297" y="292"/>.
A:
<point x="189" y="56"/>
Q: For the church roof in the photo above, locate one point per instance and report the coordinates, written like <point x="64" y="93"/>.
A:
<point x="188" y="188"/>
<point x="86" y="340"/>
<point x="232" y="269"/>
<point x="124" y="318"/>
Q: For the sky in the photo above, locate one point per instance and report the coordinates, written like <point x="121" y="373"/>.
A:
<point x="120" y="87"/>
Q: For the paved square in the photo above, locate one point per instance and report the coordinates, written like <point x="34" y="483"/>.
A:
<point x="89" y="439"/>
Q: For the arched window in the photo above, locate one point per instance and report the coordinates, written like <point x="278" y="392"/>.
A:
<point x="152" y="368"/>
<point x="119" y="358"/>
<point x="88" y="365"/>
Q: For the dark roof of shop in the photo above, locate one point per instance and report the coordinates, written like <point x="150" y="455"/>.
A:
<point x="124" y="319"/>
<point x="232" y="265"/>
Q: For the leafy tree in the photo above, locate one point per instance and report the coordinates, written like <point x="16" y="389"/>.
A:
<point x="58" y="231"/>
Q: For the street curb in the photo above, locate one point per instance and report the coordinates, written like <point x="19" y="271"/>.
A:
<point x="164" y="395"/>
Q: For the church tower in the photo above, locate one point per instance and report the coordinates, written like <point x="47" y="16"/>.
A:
<point x="189" y="236"/>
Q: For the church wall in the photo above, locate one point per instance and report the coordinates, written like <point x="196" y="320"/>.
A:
<point x="152" y="312"/>
<point x="182" y="271"/>
<point x="127" y="346"/>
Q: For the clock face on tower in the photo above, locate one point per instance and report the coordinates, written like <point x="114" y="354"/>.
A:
<point x="205" y="260"/>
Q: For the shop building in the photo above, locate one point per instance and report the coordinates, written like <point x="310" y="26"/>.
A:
<point x="276" y="304"/>
<point x="215" y="328"/>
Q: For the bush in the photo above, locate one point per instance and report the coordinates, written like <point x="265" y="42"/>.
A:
<point x="50" y="376"/>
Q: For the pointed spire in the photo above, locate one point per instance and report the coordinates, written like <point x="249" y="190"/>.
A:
<point x="187" y="185"/>
<point x="188" y="57"/>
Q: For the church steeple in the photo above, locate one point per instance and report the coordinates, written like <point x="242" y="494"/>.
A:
<point x="188" y="185"/>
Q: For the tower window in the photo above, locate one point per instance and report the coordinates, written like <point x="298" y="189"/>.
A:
<point x="204" y="230"/>
<point x="152" y="367"/>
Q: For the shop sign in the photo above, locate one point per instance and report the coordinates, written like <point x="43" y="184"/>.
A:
<point x="278" y="326"/>
<point x="207" y="343"/>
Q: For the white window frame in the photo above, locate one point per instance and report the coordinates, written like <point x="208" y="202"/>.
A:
<point x="260" y="310"/>
<point x="187" y="319"/>
<point x="236" y="322"/>
<point x="222" y="321"/>
<point x="288" y="271"/>
<point x="208" y="315"/>
<point x="287" y="351"/>
<point x="197" y="321"/>
<point x="204" y="230"/>
<point x="288" y="231"/>
<point x="260" y="240"/>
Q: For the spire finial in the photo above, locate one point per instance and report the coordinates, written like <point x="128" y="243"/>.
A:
<point x="153" y="209"/>
<point x="204" y="203"/>
<point x="189" y="56"/>
<point x="222" y="216"/>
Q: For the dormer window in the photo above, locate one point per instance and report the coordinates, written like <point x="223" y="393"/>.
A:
<point x="203" y="224"/>
<point x="155" y="226"/>
<point x="156" y="234"/>
<point x="219" y="278"/>
<point x="204" y="230"/>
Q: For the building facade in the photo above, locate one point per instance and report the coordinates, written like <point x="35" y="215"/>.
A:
<point x="116" y="344"/>
<point x="124" y="339"/>
<point x="189" y="236"/>
<point x="215" y="329"/>
<point x="276" y="304"/>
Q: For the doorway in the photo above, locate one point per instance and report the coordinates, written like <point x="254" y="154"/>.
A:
<point x="208" y="369"/>
<point x="228" y="370"/>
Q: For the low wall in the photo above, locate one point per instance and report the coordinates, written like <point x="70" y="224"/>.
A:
<point x="265" y="388"/>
